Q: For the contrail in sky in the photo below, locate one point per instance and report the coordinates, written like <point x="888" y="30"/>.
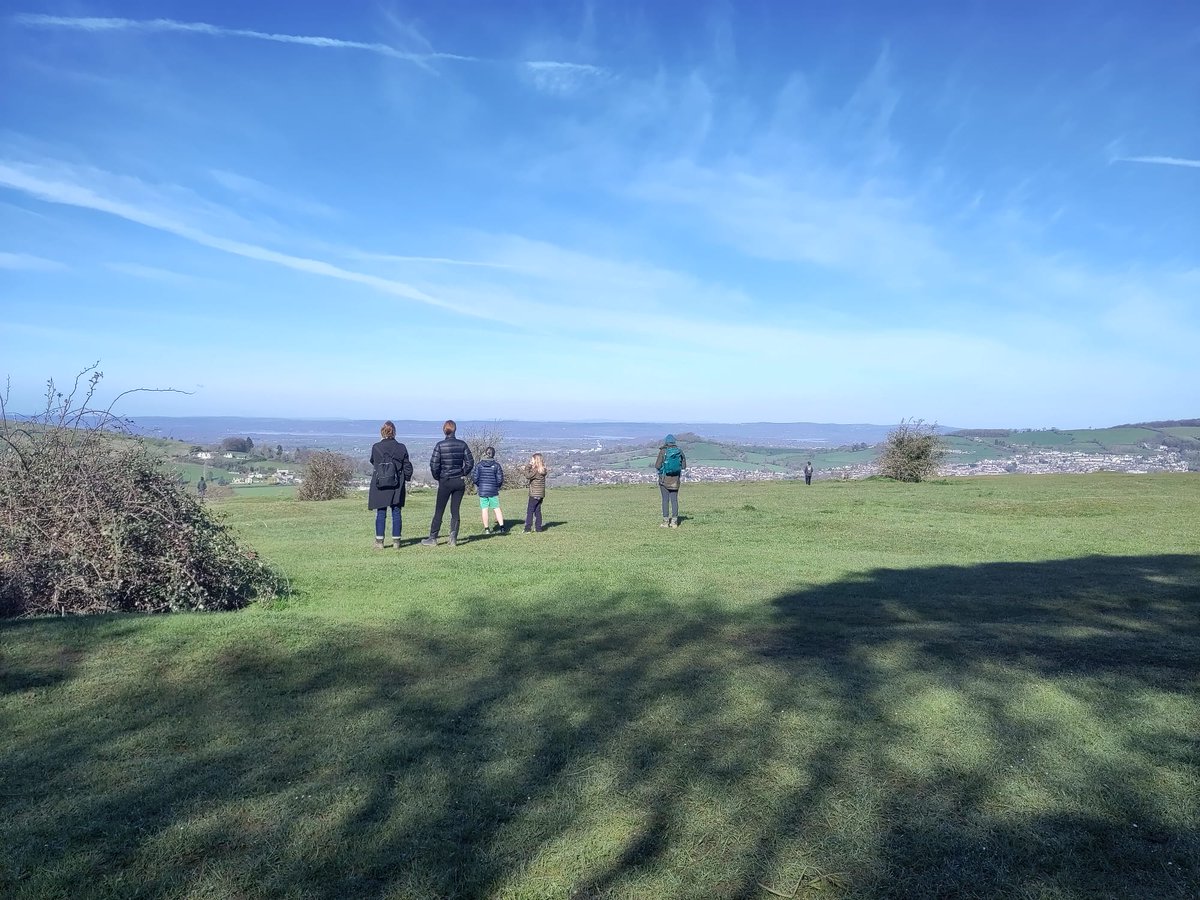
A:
<point x="98" y="24"/>
<point x="114" y="24"/>
<point x="1163" y="161"/>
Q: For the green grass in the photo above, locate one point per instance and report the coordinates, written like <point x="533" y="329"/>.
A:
<point x="1088" y="440"/>
<point x="273" y="491"/>
<point x="1184" y="431"/>
<point x="970" y="688"/>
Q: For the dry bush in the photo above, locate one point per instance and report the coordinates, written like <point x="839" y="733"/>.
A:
<point x="326" y="476"/>
<point x="90" y="521"/>
<point x="912" y="451"/>
<point x="479" y="442"/>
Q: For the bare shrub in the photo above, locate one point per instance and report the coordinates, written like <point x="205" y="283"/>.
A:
<point x="912" y="452"/>
<point x="326" y="476"/>
<point x="479" y="442"/>
<point x="90" y="521"/>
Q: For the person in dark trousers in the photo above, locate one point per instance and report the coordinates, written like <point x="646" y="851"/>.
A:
<point x="449" y="465"/>
<point x="670" y="465"/>
<point x="488" y="478"/>
<point x="393" y="469"/>
<point x="201" y="487"/>
<point x="808" y="472"/>
<point x="535" y="475"/>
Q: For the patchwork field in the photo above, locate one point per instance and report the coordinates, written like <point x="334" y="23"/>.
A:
<point x="970" y="688"/>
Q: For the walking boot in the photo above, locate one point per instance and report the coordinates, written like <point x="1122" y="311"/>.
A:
<point x="378" y="543"/>
<point x="430" y="541"/>
<point x="453" y="539"/>
<point x="666" y="523"/>
<point x="396" y="542"/>
<point x="673" y="522"/>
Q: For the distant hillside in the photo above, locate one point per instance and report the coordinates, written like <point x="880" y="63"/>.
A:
<point x="356" y="433"/>
<point x="1166" y="423"/>
<point x="1179" y="436"/>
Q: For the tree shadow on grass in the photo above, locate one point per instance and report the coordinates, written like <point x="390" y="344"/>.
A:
<point x="993" y="730"/>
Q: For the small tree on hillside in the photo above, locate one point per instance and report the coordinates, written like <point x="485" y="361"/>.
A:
<point x="326" y="476"/>
<point x="479" y="442"/>
<point x="237" y="445"/>
<point x="912" y="451"/>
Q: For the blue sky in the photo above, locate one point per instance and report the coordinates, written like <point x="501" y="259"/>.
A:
<point x="978" y="213"/>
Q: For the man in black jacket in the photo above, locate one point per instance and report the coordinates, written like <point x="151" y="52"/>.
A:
<point x="450" y="464"/>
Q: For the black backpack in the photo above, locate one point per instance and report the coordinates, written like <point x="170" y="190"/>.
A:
<point x="386" y="476"/>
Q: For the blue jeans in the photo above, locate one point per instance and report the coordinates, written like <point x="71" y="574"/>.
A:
<point x="381" y="521"/>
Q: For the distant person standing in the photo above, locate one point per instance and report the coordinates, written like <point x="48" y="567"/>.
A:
<point x="670" y="465"/>
<point x="488" y="478"/>
<point x="535" y="474"/>
<point x="449" y="465"/>
<point x="808" y="472"/>
<point x="392" y="469"/>
<point x="201" y="487"/>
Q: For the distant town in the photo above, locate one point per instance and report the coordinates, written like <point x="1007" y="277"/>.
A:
<point x="238" y="462"/>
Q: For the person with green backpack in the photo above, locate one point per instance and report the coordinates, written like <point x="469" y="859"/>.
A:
<point x="670" y="465"/>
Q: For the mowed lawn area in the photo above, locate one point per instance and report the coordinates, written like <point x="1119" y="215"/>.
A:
<point x="971" y="688"/>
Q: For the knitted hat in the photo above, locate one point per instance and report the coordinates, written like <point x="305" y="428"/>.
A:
<point x="669" y="439"/>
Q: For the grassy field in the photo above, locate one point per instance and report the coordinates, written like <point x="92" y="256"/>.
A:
<point x="260" y="491"/>
<point x="971" y="688"/>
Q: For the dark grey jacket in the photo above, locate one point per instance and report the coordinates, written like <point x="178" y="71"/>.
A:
<point x="451" y="459"/>
<point x="378" y="498"/>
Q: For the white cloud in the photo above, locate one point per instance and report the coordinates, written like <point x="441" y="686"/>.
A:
<point x="67" y="186"/>
<point x="94" y="24"/>
<point x="253" y="189"/>
<point x="28" y="262"/>
<point x="1162" y="161"/>
<point x="561" y="78"/>
<point x="552" y="76"/>
<point x="150" y="273"/>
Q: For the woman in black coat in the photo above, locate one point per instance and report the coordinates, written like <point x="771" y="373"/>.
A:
<point x="392" y="469"/>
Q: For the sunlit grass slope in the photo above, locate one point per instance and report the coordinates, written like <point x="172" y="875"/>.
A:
<point x="977" y="688"/>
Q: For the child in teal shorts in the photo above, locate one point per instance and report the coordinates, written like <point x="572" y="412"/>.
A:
<point x="488" y="477"/>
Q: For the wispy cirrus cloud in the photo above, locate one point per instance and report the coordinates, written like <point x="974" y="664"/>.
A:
<point x="254" y="189"/>
<point x="551" y="76"/>
<point x="151" y="273"/>
<point x="1162" y="161"/>
<point x="28" y="262"/>
<point x="428" y="260"/>
<point x="85" y="189"/>
<point x="98" y="24"/>
<point x="561" y="78"/>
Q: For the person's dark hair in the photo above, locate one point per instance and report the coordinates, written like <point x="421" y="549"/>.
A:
<point x="490" y="452"/>
<point x="388" y="430"/>
<point x="449" y="428"/>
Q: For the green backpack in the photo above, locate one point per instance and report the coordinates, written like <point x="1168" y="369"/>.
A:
<point x="672" y="462"/>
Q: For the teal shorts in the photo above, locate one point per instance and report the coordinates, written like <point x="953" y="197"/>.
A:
<point x="489" y="502"/>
